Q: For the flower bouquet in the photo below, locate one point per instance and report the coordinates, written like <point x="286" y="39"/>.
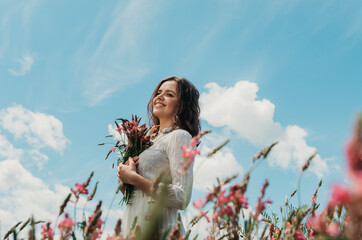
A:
<point x="135" y="138"/>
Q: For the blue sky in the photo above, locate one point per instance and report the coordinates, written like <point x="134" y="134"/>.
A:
<point x="283" y="70"/>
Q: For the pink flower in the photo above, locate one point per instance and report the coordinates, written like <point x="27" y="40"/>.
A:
<point x="298" y="235"/>
<point x="339" y="196"/>
<point x="47" y="232"/>
<point x="203" y="214"/>
<point x="189" y="152"/>
<point x="288" y="226"/>
<point x="80" y="189"/>
<point x="222" y="198"/>
<point x="113" y="150"/>
<point x="194" y="142"/>
<point x="199" y="203"/>
<point x="333" y="230"/>
<point x="314" y="199"/>
<point x="66" y="225"/>
<point x="98" y="229"/>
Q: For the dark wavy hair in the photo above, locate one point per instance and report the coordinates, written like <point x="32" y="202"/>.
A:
<point x="188" y="114"/>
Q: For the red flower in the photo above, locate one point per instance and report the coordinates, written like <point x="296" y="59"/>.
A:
<point x="66" y="225"/>
<point x="203" y="214"/>
<point x="298" y="235"/>
<point x="194" y="141"/>
<point x="98" y="229"/>
<point x="47" y="232"/>
<point x="188" y="153"/>
<point x="199" y="203"/>
<point x="333" y="230"/>
<point x="80" y="189"/>
<point x="339" y="196"/>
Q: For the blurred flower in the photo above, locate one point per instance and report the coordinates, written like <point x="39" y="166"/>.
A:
<point x="79" y="189"/>
<point x="333" y="230"/>
<point x="47" y="232"/>
<point x="339" y="196"/>
<point x="65" y="226"/>
<point x="199" y="203"/>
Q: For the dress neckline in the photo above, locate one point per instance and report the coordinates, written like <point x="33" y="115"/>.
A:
<point x="162" y="133"/>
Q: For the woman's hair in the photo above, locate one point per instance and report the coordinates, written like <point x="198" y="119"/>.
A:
<point x="187" y="116"/>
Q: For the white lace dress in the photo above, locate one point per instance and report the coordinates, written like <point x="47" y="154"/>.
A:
<point x="165" y="153"/>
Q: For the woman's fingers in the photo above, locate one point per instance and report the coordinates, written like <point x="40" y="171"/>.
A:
<point x="135" y="159"/>
<point x="118" y="171"/>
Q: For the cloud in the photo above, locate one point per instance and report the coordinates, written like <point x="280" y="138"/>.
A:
<point x="238" y="108"/>
<point x="25" y="65"/>
<point x="22" y="195"/>
<point x="7" y="150"/>
<point x="222" y="164"/>
<point x="38" y="129"/>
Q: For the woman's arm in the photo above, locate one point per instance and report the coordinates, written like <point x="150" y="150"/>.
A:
<point x="178" y="193"/>
<point x="128" y="174"/>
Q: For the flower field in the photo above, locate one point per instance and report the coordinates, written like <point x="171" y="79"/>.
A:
<point x="225" y="207"/>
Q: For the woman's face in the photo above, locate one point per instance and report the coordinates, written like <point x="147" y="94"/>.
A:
<point x="166" y="101"/>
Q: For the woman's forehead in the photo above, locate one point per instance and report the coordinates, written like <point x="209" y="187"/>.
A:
<point x="169" y="85"/>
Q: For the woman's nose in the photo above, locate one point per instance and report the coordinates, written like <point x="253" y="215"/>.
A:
<point x="160" y="96"/>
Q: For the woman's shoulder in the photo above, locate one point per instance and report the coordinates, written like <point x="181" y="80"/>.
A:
<point x="179" y="133"/>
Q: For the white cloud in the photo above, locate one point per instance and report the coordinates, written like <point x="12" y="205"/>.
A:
<point x="38" y="129"/>
<point x="7" y="150"/>
<point x="239" y="109"/>
<point x="22" y="195"/>
<point x="223" y="164"/>
<point x="25" y="65"/>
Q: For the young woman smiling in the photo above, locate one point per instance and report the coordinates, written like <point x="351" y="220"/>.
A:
<point x="175" y="108"/>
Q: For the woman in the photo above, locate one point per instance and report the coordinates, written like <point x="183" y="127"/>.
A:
<point x="174" y="107"/>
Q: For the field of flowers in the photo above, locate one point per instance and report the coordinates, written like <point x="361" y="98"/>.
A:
<point x="226" y="204"/>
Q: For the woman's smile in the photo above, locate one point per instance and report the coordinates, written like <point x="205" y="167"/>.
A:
<point x="165" y="103"/>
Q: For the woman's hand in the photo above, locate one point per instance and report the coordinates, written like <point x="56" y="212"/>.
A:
<point x="127" y="171"/>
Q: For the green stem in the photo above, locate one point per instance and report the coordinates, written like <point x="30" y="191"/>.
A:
<point x="298" y="188"/>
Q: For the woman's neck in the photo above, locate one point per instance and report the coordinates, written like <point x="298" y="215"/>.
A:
<point x="165" y="124"/>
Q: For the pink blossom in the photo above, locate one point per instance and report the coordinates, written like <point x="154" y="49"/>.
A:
<point x="98" y="231"/>
<point x="194" y="141"/>
<point x="333" y="230"/>
<point x="354" y="155"/>
<point x="113" y="150"/>
<point x="339" y="196"/>
<point x="288" y="226"/>
<point x="189" y="152"/>
<point x="79" y="189"/>
<point x="199" y="203"/>
<point x="314" y="199"/>
<point x="66" y="225"/>
<point x="47" y="232"/>
<point x="203" y="214"/>
<point x="222" y="198"/>
<point x="298" y="235"/>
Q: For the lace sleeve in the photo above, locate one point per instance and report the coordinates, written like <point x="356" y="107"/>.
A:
<point x="179" y="191"/>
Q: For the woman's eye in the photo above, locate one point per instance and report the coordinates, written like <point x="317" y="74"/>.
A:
<point x="170" y="95"/>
